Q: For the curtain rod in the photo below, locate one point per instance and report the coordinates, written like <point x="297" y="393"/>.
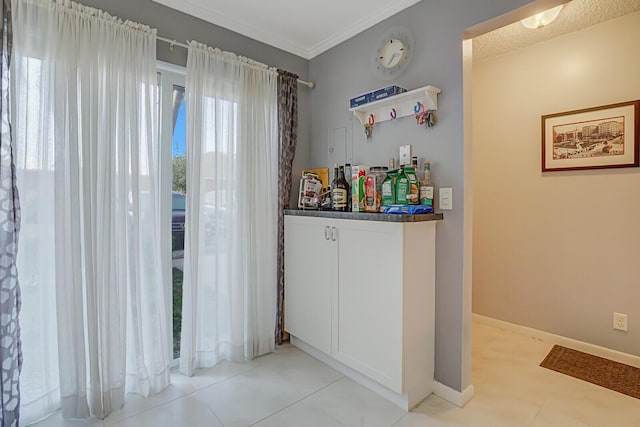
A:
<point x="172" y="43"/>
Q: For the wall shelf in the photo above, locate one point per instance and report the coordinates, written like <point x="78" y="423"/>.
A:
<point x="403" y="103"/>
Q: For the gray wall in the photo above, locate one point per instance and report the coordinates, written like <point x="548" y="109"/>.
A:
<point x="182" y="27"/>
<point x="345" y="71"/>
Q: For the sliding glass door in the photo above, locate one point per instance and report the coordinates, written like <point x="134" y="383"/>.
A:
<point x="173" y="200"/>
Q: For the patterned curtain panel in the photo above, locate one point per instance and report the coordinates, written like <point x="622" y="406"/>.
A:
<point x="10" y="347"/>
<point x="288" y="129"/>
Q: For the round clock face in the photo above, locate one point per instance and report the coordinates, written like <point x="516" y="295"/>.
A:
<point x="392" y="53"/>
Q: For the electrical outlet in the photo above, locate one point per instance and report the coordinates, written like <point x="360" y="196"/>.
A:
<point x="620" y="322"/>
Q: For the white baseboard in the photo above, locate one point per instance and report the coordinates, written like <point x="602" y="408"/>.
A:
<point x="607" y="353"/>
<point x="447" y="393"/>
<point x="399" y="400"/>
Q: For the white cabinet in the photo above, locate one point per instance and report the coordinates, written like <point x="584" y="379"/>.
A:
<point x="364" y="294"/>
<point x="309" y="257"/>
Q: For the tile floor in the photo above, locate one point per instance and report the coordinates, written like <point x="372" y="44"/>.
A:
<point x="290" y="388"/>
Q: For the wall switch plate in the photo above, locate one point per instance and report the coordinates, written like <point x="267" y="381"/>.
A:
<point x="620" y="322"/>
<point x="405" y="155"/>
<point x="446" y="198"/>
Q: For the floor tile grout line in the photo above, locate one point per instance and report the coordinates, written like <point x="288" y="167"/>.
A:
<point x="299" y="400"/>
<point x="178" y="397"/>
<point x="252" y="368"/>
<point x="399" y="419"/>
<point x="214" y="414"/>
<point x="538" y="411"/>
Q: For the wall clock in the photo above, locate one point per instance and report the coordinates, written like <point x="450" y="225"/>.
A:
<point x="392" y="53"/>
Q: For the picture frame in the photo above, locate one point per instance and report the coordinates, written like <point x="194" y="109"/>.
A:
<point x="592" y="138"/>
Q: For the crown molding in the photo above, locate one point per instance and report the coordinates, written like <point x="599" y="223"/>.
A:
<point x="234" y="25"/>
<point x="361" y="25"/>
<point x="272" y="39"/>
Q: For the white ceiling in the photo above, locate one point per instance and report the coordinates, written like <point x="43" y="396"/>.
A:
<point x="574" y="16"/>
<point x="301" y="27"/>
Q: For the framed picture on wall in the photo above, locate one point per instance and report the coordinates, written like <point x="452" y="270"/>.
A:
<point x="592" y="138"/>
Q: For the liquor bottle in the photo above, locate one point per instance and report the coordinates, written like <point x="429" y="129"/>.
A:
<point x="347" y="177"/>
<point x="426" y="186"/>
<point x="339" y="192"/>
<point x="418" y="172"/>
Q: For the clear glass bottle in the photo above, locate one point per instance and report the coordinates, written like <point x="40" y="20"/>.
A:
<point x="426" y="186"/>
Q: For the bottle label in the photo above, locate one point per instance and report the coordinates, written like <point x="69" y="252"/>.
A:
<point x="339" y="197"/>
<point x="426" y="195"/>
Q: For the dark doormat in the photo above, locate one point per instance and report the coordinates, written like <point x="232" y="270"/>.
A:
<point x="615" y="376"/>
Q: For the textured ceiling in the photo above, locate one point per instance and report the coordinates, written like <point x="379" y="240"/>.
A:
<point x="574" y="16"/>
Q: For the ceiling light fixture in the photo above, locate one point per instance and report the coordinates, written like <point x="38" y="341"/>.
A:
<point x="541" y="19"/>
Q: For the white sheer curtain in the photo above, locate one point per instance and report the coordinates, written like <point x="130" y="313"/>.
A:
<point x="229" y="303"/>
<point x="85" y="127"/>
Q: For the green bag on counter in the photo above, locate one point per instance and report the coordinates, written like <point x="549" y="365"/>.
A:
<point x="403" y="187"/>
<point x="389" y="188"/>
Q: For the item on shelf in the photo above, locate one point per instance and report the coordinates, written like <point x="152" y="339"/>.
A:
<point x="310" y="192"/>
<point x="389" y="188"/>
<point x="322" y="174"/>
<point x="413" y="196"/>
<point x="373" y="188"/>
<point x="426" y="186"/>
<point x="407" y="209"/>
<point x="360" y="100"/>
<point x="347" y="176"/>
<point x="387" y="92"/>
<point x="358" y="173"/>
<point x="375" y="95"/>
<point x="339" y="192"/>
<point x="407" y="190"/>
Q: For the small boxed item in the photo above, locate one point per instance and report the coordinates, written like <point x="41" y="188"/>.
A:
<point x="322" y="174"/>
<point x="387" y="92"/>
<point x="310" y="192"/>
<point x="373" y="188"/>
<point x="406" y="209"/>
<point x="376" y="95"/>
<point x="358" y="177"/>
<point x="360" y="100"/>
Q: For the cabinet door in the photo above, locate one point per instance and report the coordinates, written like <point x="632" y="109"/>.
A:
<point x="310" y="257"/>
<point x="368" y="300"/>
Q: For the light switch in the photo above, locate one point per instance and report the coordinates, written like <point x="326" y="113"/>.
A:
<point x="446" y="198"/>
<point x="405" y="155"/>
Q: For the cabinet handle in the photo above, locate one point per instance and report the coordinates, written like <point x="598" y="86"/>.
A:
<point x="326" y="233"/>
<point x="333" y="234"/>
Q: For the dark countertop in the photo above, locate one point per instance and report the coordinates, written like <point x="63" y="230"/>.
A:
<point x="367" y="216"/>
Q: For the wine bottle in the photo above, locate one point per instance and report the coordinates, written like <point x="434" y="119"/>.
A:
<point x="339" y="192"/>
